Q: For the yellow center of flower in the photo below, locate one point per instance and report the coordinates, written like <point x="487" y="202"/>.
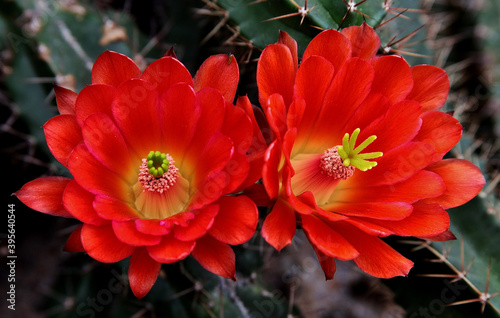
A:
<point x="340" y="162"/>
<point x="351" y="155"/>
<point x="321" y="173"/>
<point x="161" y="191"/>
<point x="157" y="172"/>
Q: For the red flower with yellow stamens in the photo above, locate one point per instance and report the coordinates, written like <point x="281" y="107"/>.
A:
<point x="153" y="155"/>
<point x="358" y="150"/>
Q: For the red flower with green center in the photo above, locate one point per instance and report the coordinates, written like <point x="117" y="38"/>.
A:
<point x="358" y="150"/>
<point x="153" y="155"/>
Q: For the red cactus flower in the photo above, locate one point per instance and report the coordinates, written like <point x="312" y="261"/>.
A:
<point x="153" y="155"/>
<point x="358" y="150"/>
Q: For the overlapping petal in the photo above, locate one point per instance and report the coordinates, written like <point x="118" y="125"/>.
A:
<point x="66" y="100"/>
<point x="62" y="134"/>
<point x="236" y="221"/>
<point x="220" y="72"/>
<point x="170" y="249"/>
<point x="276" y="59"/>
<point x="431" y="85"/>
<point x="135" y="109"/>
<point x="79" y="202"/>
<point x="101" y="243"/>
<point x="96" y="98"/>
<point x="45" y="195"/>
<point x="142" y="272"/>
<point x="364" y="41"/>
<point x="112" y="68"/>
<point x="215" y="256"/>
<point x="462" y="179"/>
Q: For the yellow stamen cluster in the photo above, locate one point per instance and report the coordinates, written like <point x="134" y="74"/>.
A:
<point x="351" y="155"/>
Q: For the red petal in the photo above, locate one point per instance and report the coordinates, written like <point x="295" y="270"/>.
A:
<point x="331" y="45"/>
<point x="280" y="225"/>
<point x="179" y="114"/>
<point x="327" y="263"/>
<point x="326" y="239"/>
<point x="95" y="178"/>
<point x="258" y="141"/>
<point x="276" y="114"/>
<point x="128" y="234"/>
<point x="393" y="77"/>
<point x="374" y="106"/>
<point x="165" y="72"/>
<point x="369" y="227"/>
<point x="208" y="191"/>
<point x="364" y="40"/>
<point x="212" y="109"/>
<point x="256" y="162"/>
<point x="396" y="165"/>
<point x="113" y="68"/>
<point x="313" y="80"/>
<point x="63" y="134"/>
<point x="375" y="210"/>
<point x="199" y="226"/>
<point x="431" y="85"/>
<point x="276" y="73"/>
<point x="170" y="250"/>
<point x="136" y="112"/>
<point x="96" y="98"/>
<point x="105" y="142"/>
<point x="213" y="159"/>
<point x="425" y="220"/>
<point x="220" y="72"/>
<point x="101" y="244"/>
<point x="236" y="222"/>
<point x="376" y="257"/>
<point x="142" y="272"/>
<point x="45" y="195"/>
<point x="215" y="257"/>
<point x="463" y="182"/>
<point x="295" y="113"/>
<point x="237" y="170"/>
<point x="424" y="184"/>
<point x="286" y="39"/>
<point x="114" y="209"/>
<point x="79" y="202"/>
<point x="348" y="89"/>
<point x="310" y="178"/>
<point x="445" y="236"/>
<point x="66" y="100"/>
<point x="74" y="242"/>
<point x="399" y="125"/>
<point x="238" y="127"/>
<point x="153" y="227"/>
<point x="439" y="130"/>
<point x="270" y="175"/>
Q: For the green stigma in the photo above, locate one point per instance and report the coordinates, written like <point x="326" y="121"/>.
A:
<point x="351" y="156"/>
<point x="157" y="163"/>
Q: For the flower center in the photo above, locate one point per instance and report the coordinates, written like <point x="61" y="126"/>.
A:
<point x="332" y="165"/>
<point x="320" y="174"/>
<point x="351" y="156"/>
<point x="341" y="161"/>
<point x="157" y="172"/>
<point x="160" y="191"/>
<point x="158" y="163"/>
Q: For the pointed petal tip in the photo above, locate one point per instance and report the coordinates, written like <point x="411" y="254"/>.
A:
<point x="143" y="272"/>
